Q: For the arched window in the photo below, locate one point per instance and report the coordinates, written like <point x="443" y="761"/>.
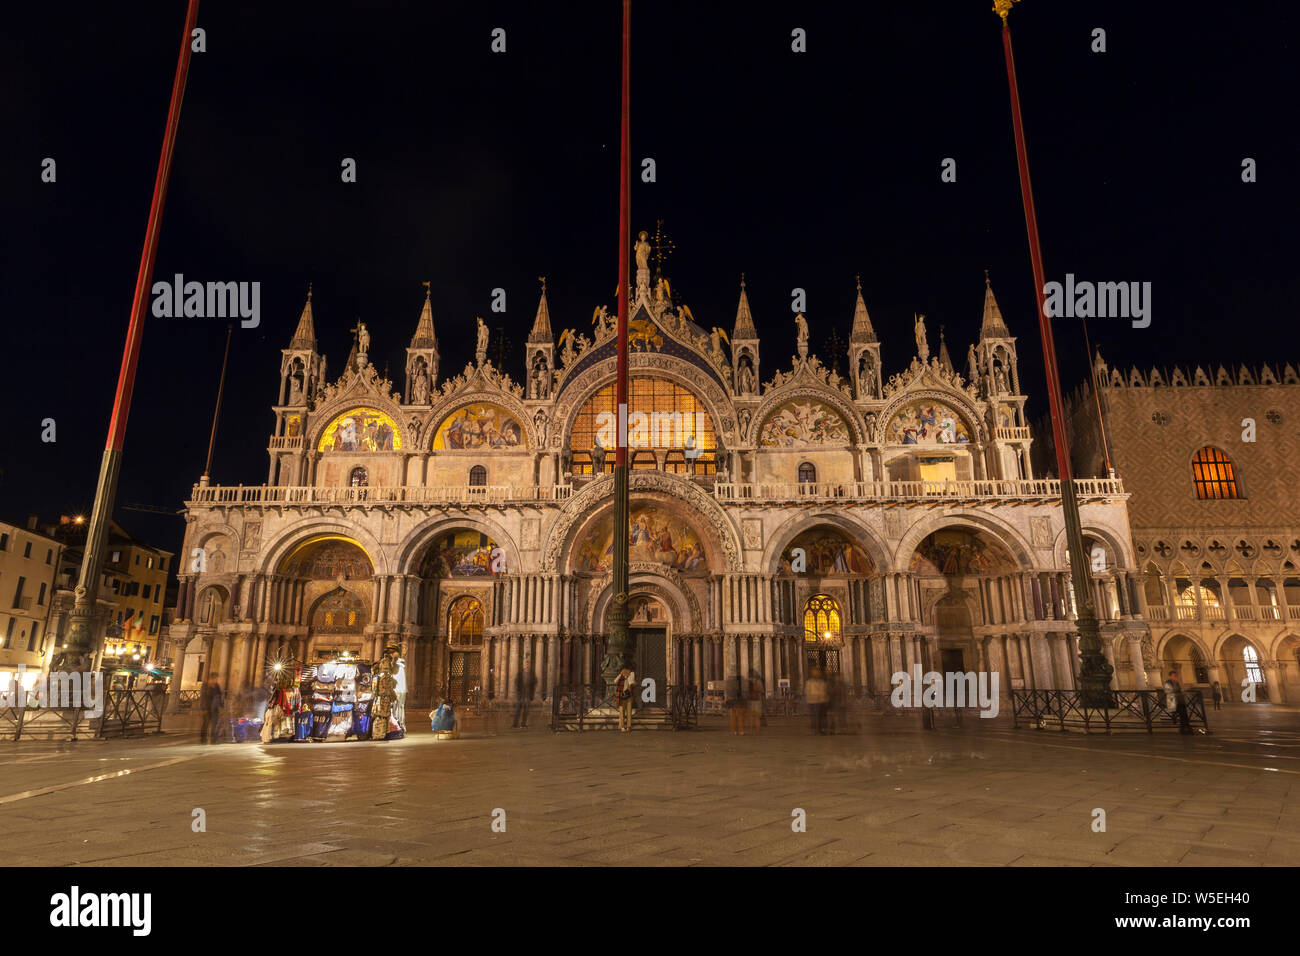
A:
<point x="357" y="477"/>
<point x="821" y="619"/>
<point x="644" y="461"/>
<point x="477" y="476"/>
<point x="1253" y="673"/>
<point x="662" y="416"/>
<point x="1214" y="474"/>
<point x="807" y="473"/>
<point x="465" y="622"/>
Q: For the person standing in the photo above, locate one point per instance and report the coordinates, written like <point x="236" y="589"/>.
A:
<point x="818" y="696"/>
<point x="624" y="685"/>
<point x="1175" y="700"/>
<point x="211" y="703"/>
<point x="525" y="685"/>
<point x="1218" y="695"/>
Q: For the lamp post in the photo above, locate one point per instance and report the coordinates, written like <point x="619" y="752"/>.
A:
<point x="1094" y="670"/>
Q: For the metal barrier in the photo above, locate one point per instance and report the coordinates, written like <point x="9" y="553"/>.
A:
<point x="127" y="713"/>
<point x="131" y="712"/>
<point x="1120" y="711"/>
<point x="187" y="699"/>
<point x="684" y="705"/>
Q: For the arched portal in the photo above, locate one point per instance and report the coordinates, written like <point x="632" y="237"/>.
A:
<point x="332" y="579"/>
<point x="1243" y="667"/>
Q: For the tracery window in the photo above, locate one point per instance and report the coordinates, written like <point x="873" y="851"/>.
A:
<point x="357" y="478"/>
<point x="465" y="622"/>
<point x="662" y="416"/>
<point x="1253" y="672"/>
<point x="1214" y="474"/>
<point x="821" y="619"/>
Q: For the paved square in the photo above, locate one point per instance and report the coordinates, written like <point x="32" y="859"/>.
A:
<point x="890" y="794"/>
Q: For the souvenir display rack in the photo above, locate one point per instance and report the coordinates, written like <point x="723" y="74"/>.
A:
<point x="335" y="700"/>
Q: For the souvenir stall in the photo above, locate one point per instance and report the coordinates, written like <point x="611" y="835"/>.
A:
<point x="337" y="699"/>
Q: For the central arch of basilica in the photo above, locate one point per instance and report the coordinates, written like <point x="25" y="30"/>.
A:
<point x="779" y="521"/>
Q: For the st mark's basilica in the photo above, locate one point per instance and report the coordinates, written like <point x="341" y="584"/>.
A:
<point x="782" y="516"/>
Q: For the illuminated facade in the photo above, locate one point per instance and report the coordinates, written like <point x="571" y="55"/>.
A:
<point x="778" y="520"/>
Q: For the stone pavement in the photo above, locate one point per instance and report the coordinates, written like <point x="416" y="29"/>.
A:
<point x="890" y="794"/>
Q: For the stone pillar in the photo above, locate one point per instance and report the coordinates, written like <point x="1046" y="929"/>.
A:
<point x="769" y="672"/>
<point x="1040" y="609"/>
<point x="552" y="665"/>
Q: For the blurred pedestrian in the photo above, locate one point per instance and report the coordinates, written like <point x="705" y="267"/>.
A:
<point x="737" y="703"/>
<point x="1174" y="700"/>
<point x="624" y="685"/>
<point x="1218" y="695"/>
<point x="818" y="696"/>
<point x="525" y="685"/>
<point x="211" y="702"/>
<point x="754" y="710"/>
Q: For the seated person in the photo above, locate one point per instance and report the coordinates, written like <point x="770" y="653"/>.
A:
<point x="444" y="718"/>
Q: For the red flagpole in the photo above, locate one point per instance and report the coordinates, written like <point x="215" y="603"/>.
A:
<point x="624" y="239"/>
<point x="1093" y="680"/>
<point x="80" y="641"/>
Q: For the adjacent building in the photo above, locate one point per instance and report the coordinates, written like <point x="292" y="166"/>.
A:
<point x="29" y="562"/>
<point x="1209" y="459"/>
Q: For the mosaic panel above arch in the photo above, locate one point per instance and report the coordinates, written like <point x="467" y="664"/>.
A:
<point x="657" y="535"/>
<point x="326" y="559"/>
<point x="361" y="429"/>
<point x="459" y="554"/>
<point x="826" y="551"/>
<point x="954" y="551"/>
<point x="482" y="425"/>
<point x="927" y="423"/>
<point x="799" y="424"/>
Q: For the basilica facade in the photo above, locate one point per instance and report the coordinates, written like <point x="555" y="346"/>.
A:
<point x="780" y="520"/>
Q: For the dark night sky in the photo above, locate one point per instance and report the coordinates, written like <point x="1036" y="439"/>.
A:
<point x="479" y="170"/>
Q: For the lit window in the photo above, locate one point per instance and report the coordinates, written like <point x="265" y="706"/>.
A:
<point x="644" y="461"/>
<point x="673" y="419"/>
<point x="1214" y="475"/>
<point x="1253" y="673"/>
<point x="358" y="478"/>
<point x="821" y="619"/>
<point x="465" y="622"/>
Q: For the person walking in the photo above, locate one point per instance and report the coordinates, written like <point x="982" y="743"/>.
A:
<point x="525" y="685"/>
<point x="211" y="703"/>
<point x="818" y="696"/>
<point x="1217" y="691"/>
<point x="1175" y="700"/>
<point x="737" y="703"/>
<point x="624" y="685"/>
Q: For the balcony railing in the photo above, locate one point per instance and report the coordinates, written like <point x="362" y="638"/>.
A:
<point x="1004" y="488"/>
<point x="362" y="496"/>
<point x="1011" y="434"/>
<point x="1043" y="489"/>
<point x="286" y="443"/>
<point x="1240" y="612"/>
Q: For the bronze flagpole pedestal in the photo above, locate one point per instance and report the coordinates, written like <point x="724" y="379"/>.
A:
<point x="1093" y="679"/>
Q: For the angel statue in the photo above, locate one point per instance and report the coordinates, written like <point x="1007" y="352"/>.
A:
<point x="715" y="341"/>
<point x="600" y="320"/>
<point x="801" y="330"/>
<point x="566" y="348"/>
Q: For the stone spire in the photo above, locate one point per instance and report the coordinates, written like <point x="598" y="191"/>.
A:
<point x="992" y="326"/>
<point x="862" y="328"/>
<point x="424" y="337"/>
<point x="304" y="337"/>
<point x="542" y="323"/>
<point x="944" y="358"/>
<point x="744" y="328"/>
